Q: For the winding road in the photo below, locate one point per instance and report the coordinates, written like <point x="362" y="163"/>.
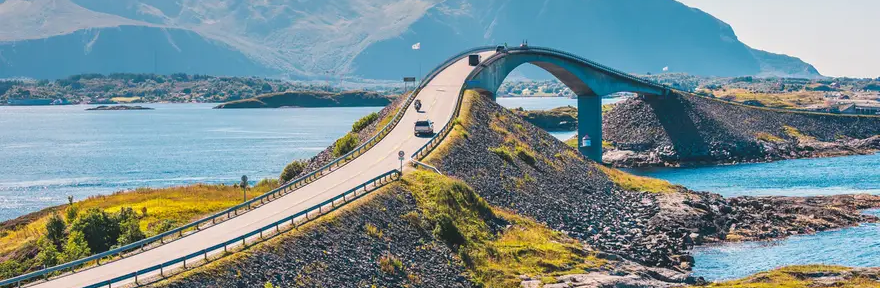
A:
<point x="438" y="99"/>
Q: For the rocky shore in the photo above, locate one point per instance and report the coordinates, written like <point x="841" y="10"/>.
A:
<point x="556" y="119"/>
<point x="687" y="130"/>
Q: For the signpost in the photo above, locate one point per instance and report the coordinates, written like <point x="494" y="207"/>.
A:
<point x="400" y="157"/>
<point x="408" y="80"/>
<point x="244" y="185"/>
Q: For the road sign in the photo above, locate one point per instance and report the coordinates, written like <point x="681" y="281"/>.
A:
<point x="400" y="155"/>
<point x="409" y="79"/>
<point x="244" y="180"/>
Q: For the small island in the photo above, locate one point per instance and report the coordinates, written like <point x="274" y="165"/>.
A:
<point x="118" y="107"/>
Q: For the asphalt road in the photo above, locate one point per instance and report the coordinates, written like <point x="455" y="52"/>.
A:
<point x="438" y="102"/>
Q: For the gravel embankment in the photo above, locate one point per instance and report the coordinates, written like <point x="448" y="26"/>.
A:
<point x="688" y="130"/>
<point x="338" y="251"/>
<point x="570" y="194"/>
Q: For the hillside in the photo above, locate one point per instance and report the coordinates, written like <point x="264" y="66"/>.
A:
<point x="310" y="99"/>
<point x="685" y="129"/>
<point x="367" y="39"/>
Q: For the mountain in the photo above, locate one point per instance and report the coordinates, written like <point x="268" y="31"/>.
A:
<point x="367" y="39"/>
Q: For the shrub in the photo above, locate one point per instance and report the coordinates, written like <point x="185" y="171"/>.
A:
<point x="77" y="247"/>
<point x="71" y="213"/>
<point x="345" y="144"/>
<point x="55" y="230"/>
<point x="292" y="170"/>
<point x="390" y="264"/>
<point x="130" y="232"/>
<point x="99" y="230"/>
<point x="364" y="122"/>
<point x="48" y="255"/>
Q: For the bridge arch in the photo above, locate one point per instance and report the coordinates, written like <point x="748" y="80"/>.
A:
<point x="587" y="79"/>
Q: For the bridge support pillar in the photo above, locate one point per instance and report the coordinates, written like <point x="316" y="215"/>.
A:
<point x="590" y="124"/>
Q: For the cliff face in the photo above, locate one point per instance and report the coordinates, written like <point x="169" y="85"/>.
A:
<point x="685" y="129"/>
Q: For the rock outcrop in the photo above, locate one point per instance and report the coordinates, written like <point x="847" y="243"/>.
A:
<point x="685" y="129"/>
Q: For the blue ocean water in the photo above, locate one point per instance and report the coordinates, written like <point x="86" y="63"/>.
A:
<point x="801" y="177"/>
<point x="49" y="152"/>
<point x="854" y="247"/>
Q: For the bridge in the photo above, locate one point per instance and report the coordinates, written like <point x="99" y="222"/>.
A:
<point x="365" y="169"/>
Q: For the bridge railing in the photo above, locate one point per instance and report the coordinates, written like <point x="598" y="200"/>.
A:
<point x="263" y="233"/>
<point x="222" y="216"/>
<point x="426" y="149"/>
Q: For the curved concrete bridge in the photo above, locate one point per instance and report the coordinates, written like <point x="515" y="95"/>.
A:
<point x="439" y="97"/>
<point x="588" y="80"/>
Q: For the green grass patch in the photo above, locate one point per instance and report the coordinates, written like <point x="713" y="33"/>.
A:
<point x="637" y="183"/>
<point x="503" y="152"/>
<point x="156" y="211"/>
<point x="792" y="277"/>
<point x="461" y="218"/>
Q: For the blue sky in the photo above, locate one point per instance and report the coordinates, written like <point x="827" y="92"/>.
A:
<point x="839" y="37"/>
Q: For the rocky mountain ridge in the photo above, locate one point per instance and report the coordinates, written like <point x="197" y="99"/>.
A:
<point x="367" y="39"/>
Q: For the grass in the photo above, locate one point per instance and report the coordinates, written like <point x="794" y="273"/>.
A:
<point x="390" y="264"/>
<point x="174" y="205"/>
<point x="767" y="137"/>
<point x="795" y="133"/>
<point x="792" y="277"/>
<point x="125" y="99"/>
<point x="774" y="100"/>
<point x="638" y="183"/>
<point x="464" y="221"/>
<point x="503" y="152"/>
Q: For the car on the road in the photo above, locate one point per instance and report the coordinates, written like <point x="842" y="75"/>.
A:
<point x="424" y="127"/>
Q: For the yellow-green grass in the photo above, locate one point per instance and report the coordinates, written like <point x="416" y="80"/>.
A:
<point x="177" y="205"/>
<point x="638" y="183"/>
<point x="767" y="137"/>
<point x="797" y="134"/>
<point x="495" y="260"/>
<point x="791" y="277"/>
<point x="125" y="99"/>
<point x="776" y="100"/>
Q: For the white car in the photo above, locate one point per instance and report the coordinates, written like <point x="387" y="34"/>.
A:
<point x="424" y="127"/>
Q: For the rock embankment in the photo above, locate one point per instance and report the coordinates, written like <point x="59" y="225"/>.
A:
<point x="369" y="244"/>
<point x="684" y="129"/>
<point x="518" y="166"/>
<point x="311" y="99"/>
